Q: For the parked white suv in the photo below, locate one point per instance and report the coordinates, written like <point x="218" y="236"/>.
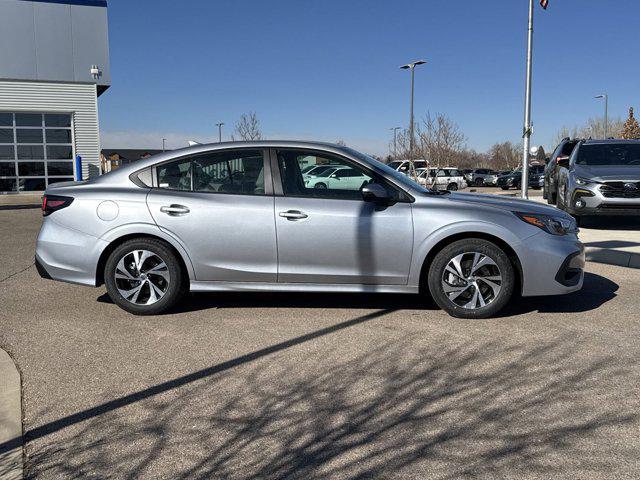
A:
<point x="403" y="165"/>
<point x="447" y="178"/>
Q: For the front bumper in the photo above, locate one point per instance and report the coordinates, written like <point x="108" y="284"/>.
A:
<point x="590" y="200"/>
<point x="552" y="265"/>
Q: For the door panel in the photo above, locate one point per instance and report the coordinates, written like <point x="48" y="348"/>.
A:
<point x="343" y="241"/>
<point x="228" y="237"/>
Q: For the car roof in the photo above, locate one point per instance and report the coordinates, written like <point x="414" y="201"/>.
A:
<point x="614" y="141"/>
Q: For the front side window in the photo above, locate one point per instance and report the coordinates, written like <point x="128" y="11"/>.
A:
<point x="343" y="181"/>
<point x="238" y="172"/>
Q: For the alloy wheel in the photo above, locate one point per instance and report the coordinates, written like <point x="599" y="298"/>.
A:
<point x="471" y="280"/>
<point x="142" y="277"/>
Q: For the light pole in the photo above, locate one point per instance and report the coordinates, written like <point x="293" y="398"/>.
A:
<point x="163" y="144"/>
<point x="219" y="125"/>
<point x="526" y="131"/>
<point x="606" y="113"/>
<point x="412" y="67"/>
<point x="395" y="143"/>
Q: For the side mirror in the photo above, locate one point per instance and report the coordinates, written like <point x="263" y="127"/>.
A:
<point x="374" y="192"/>
<point x="563" y="162"/>
<point x="333" y="175"/>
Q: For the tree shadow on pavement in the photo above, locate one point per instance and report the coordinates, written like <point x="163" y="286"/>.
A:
<point x="442" y="410"/>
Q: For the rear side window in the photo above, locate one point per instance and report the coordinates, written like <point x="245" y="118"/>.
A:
<point x="567" y="148"/>
<point x="237" y="172"/>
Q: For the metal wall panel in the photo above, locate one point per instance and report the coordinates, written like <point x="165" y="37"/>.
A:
<point x="79" y="99"/>
<point x="17" y="40"/>
<point x="53" y="41"/>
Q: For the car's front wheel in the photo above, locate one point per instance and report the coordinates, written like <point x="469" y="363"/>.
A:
<point x="471" y="278"/>
<point x="452" y="187"/>
<point x="144" y="277"/>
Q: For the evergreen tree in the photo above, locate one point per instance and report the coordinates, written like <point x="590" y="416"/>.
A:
<point x="631" y="128"/>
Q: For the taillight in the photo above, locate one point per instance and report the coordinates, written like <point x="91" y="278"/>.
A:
<point x="51" y="203"/>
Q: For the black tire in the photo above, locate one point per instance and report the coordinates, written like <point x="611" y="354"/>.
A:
<point x="175" y="287"/>
<point x="452" y="187"/>
<point x="320" y="186"/>
<point x="478" y="182"/>
<point x="485" y="247"/>
<point x="504" y="188"/>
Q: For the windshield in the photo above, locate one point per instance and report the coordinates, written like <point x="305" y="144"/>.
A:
<point x="613" y="154"/>
<point x="395" y="164"/>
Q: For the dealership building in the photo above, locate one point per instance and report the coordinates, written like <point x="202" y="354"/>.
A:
<point x="54" y="63"/>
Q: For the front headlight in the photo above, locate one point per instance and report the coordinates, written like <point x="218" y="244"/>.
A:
<point x="584" y="181"/>
<point x="548" y="223"/>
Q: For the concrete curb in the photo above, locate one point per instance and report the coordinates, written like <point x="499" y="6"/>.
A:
<point x="11" y="462"/>
<point x="613" y="257"/>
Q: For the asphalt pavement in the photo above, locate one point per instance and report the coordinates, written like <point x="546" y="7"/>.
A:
<point x="321" y="386"/>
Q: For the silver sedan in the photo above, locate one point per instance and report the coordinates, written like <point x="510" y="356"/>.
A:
<point x="239" y="217"/>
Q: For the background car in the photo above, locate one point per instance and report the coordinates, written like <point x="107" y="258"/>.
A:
<point x="482" y="176"/>
<point x="448" y="178"/>
<point x="559" y="157"/>
<point x="338" y="178"/>
<point x="403" y="165"/>
<point x="315" y="170"/>
<point x="602" y="177"/>
<point x="514" y="179"/>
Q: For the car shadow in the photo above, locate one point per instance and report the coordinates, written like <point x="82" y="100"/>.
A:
<point x="596" y="292"/>
<point x="625" y="223"/>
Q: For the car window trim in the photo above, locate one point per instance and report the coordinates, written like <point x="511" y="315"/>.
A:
<point x="268" y="182"/>
<point x="278" y="190"/>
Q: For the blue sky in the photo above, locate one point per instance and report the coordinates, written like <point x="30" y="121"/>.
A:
<point x="328" y="69"/>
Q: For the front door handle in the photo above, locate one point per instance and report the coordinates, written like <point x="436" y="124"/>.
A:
<point x="293" y="215"/>
<point x="174" y="210"/>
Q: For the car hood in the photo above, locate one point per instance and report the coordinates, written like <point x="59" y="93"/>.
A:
<point x="507" y="203"/>
<point x="602" y="174"/>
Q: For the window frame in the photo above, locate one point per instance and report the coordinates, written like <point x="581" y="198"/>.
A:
<point x="402" y="195"/>
<point x="268" y="182"/>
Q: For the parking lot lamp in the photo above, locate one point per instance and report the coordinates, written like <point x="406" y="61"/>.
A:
<point x="606" y="113"/>
<point x="219" y="125"/>
<point x="412" y="67"/>
<point x="395" y="141"/>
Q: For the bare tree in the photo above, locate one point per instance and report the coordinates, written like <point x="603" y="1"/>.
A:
<point x="504" y="156"/>
<point x="593" y="128"/>
<point x="439" y="140"/>
<point x="247" y="128"/>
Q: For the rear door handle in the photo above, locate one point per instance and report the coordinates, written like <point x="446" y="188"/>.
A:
<point x="293" y="215"/>
<point x="174" y="210"/>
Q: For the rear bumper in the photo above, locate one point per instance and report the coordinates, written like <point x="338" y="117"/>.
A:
<point x="66" y="254"/>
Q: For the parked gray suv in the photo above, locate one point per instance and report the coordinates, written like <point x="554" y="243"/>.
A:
<point x="240" y="217"/>
<point x="602" y="177"/>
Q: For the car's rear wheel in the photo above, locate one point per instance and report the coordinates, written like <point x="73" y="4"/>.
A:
<point x="479" y="182"/>
<point x="452" y="187"/>
<point x="504" y="188"/>
<point x="144" y="276"/>
<point x="471" y="278"/>
<point x="320" y="186"/>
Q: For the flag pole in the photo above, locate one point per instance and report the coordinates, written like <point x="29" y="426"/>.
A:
<point x="527" y="109"/>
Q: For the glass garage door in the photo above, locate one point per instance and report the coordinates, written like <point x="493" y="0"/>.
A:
<point x="36" y="149"/>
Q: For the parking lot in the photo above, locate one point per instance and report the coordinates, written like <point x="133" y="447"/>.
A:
<point x="323" y="385"/>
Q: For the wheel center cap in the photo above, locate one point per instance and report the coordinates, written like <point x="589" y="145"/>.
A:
<point x="143" y="276"/>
